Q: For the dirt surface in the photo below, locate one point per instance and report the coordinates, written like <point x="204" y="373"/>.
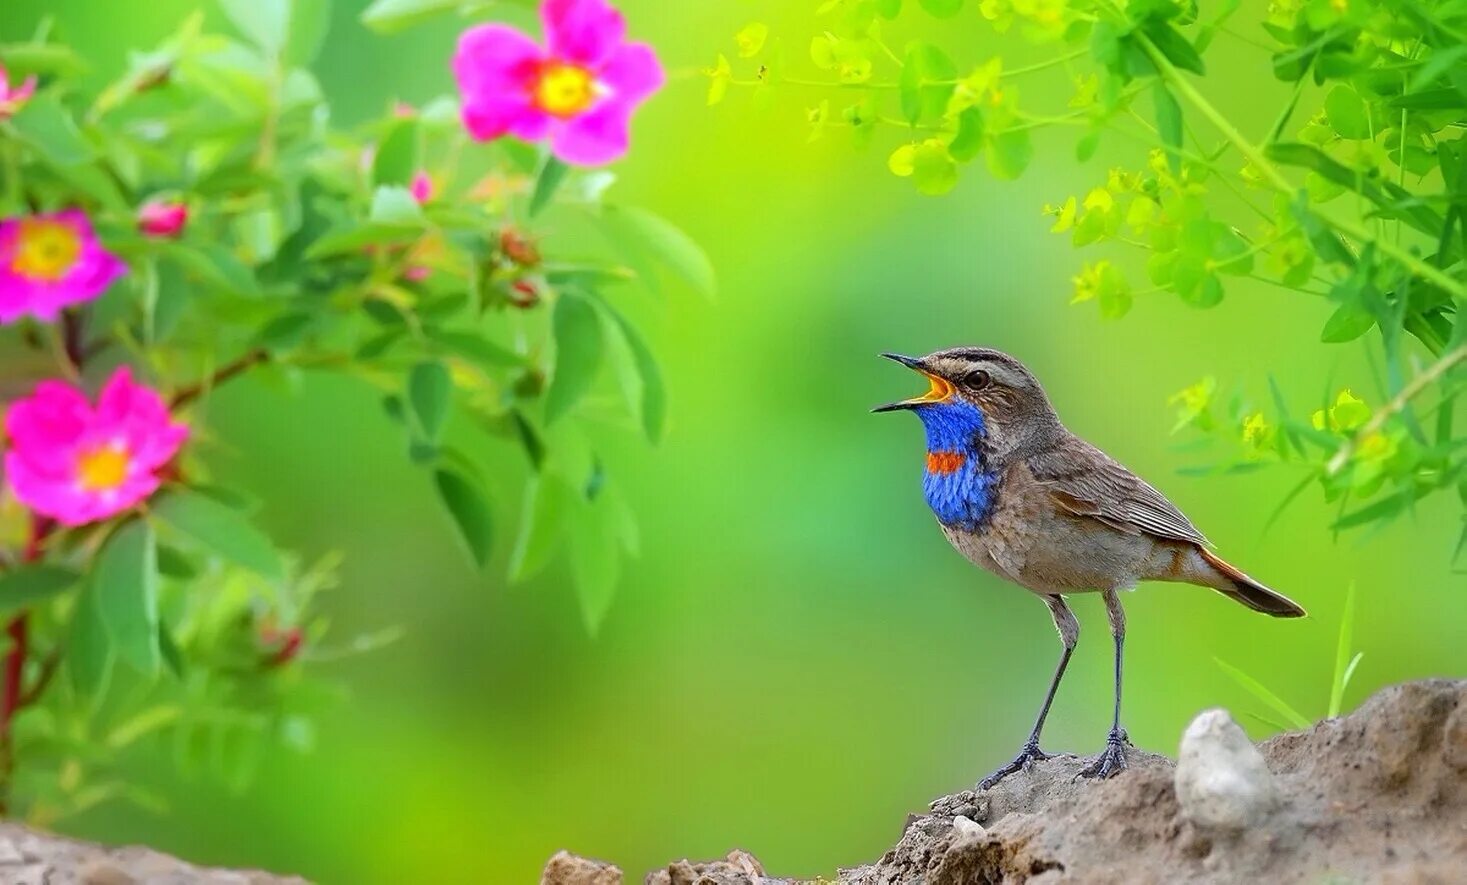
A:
<point x="28" y="857"/>
<point x="1378" y="796"/>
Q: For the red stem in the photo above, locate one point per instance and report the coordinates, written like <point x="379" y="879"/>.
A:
<point x="13" y="687"/>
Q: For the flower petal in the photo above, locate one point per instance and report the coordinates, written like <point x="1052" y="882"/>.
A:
<point x="598" y="136"/>
<point x="496" y="67"/>
<point x="586" y="32"/>
<point x="632" y="72"/>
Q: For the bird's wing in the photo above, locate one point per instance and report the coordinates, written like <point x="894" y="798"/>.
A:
<point x="1085" y="481"/>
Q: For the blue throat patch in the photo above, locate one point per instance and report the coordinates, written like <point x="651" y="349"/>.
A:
<point x="957" y="483"/>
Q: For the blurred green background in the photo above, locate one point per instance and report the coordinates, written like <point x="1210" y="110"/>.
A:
<point x="798" y="658"/>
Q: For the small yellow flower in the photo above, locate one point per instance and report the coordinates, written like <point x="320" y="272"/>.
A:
<point x="1348" y="413"/>
<point x="1064" y="216"/>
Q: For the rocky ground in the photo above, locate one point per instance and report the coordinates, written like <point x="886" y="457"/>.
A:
<point x="31" y="858"/>
<point x="1379" y="796"/>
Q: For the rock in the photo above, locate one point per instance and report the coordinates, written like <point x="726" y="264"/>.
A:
<point x="570" y="869"/>
<point x="1454" y="740"/>
<point x="1222" y="781"/>
<point x="1379" y="795"/>
<point x="967" y="827"/>
<point x="738" y="868"/>
<point x="31" y="856"/>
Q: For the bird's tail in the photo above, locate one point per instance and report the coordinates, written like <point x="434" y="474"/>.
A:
<point x="1235" y="585"/>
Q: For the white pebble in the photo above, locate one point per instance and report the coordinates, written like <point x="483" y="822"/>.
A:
<point x="1222" y="781"/>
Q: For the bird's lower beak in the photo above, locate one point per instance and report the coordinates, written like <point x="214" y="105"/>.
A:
<point x="940" y="390"/>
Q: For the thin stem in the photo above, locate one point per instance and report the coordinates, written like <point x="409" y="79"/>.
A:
<point x="1043" y="65"/>
<point x="1414" y="388"/>
<point x="11" y="689"/>
<point x="188" y="394"/>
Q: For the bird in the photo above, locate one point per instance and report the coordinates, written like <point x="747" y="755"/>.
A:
<point x="1017" y="493"/>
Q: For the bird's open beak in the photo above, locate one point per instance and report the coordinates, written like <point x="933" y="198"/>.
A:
<point x="940" y="391"/>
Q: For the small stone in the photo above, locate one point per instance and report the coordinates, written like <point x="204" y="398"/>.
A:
<point x="569" y="869"/>
<point x="9" y="854"/>
<point x="743" y="862"/>
<point x="1222" y="781"/>
<point x="105" y="872"/>
<point x="968" y="827"/>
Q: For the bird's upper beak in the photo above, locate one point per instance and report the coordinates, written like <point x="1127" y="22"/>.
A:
<point x="941" y="389"/>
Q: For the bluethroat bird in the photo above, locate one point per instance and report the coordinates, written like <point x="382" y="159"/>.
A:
<point x="1020" y="495"/>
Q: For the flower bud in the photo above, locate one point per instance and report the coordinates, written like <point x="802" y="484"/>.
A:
<point x="163" y="219"/>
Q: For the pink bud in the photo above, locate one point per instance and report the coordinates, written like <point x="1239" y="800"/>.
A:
<point x="403" y="111"/>
<point x="421" y="187"/>
<point x="13" y="98"/>
<point x="163" y="218"/>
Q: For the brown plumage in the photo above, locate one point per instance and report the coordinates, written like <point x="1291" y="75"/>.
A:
<point x="1054" y="514"/>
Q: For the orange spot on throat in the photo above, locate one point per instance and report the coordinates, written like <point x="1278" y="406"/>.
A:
<point x="945" y="462"/>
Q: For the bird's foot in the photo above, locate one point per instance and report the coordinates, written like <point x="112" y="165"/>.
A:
<point x="1026" y="758"/>
<point x="1112" y="760"/>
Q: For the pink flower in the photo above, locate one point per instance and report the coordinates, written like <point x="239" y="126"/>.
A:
<point x="12" y="100"/>
<point x="578" y="91"/>
<point x="77" y="464"/>
<point x="421" y="188"/>
<point x="163" y="218"/>
<point x="48" y="262"/>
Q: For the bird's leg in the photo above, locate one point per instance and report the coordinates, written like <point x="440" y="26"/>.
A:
<point x="1069" y="631"/>
<point x="1113" y="759"/>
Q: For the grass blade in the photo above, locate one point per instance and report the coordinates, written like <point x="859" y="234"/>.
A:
<point x="1255" y="688"/>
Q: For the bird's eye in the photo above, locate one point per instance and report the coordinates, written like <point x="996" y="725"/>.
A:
<point x="978" y="379"/>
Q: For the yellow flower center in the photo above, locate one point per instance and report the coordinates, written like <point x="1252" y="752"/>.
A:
<point x="564" y="90"/>
<point x="102" y="469"/>
<point x="46" y="250"/>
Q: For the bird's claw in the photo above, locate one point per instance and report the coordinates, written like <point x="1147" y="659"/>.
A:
<point x="1111" y="761"/>
<point x="1028" y="755"/>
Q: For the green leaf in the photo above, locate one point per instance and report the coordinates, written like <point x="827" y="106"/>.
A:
<point x="48" y="128"/>
<point x="24" y="59"/>
<point x="215" y="265"/>
<point x="578" y="346"/>
<point x="969" y="140"/>
<point x="1347" y="323"/>
<point x="651" y="236"/>
<point x="221" y="530"/>
<point x="310" y="20"/>
<point x="125" y="579"/>
<point x="430" y="393"/>
<point x="1344" y="666"/>
<point x="888" y="9"/>
<point x="595" y="561"/>
<point x="1169" y="123"/>
<point x="391" y="16"/>
<point x="542" y="522"/>
<point x="1395" y="201"/>
<point x="394" y="205"/>
<point x="265" y="22"/>
<point x="921" y="97"/>
<point x="933" y="170"/>
<point x="1346" y="112"/>
<point x="1009" y="154"/>
<point x="547" y="181"/>
<point x="26" y="585"/>
<point x="397" y="155"/>
<point x="1175" y="47"/>
<point x="649" y="394"/>
<point x="941" y="8"/>
<point x="89" y="653"/>
<point x="476" y="347"/>
<point x="468" y="506"/>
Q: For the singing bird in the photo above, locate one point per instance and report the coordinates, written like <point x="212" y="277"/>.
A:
<point x="1020" y="495"/>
